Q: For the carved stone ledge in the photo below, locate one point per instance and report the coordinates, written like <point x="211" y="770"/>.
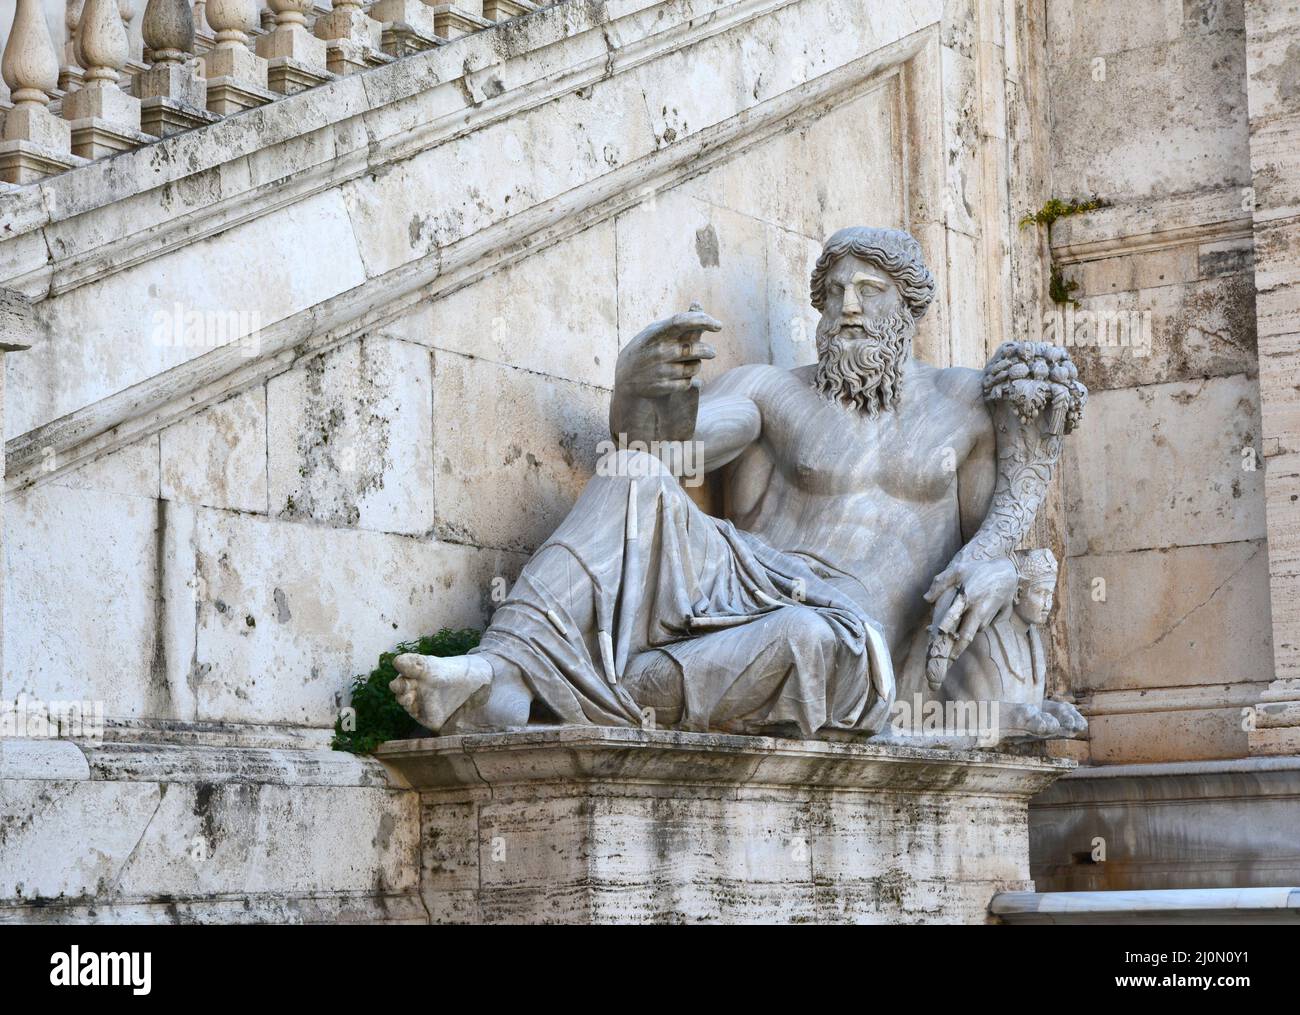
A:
<point x="599" y="824"/>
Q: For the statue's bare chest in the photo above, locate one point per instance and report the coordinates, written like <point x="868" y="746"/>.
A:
<point x="826" y="449"/>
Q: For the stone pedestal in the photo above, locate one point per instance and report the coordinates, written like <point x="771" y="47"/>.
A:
<point x="173" y="97"/>
<point x="407" y="26"/>
<point x="504" y="10"/>
<point x="34" y="143"/>
<point x="600" y="825"/>
<point x="295" y="59"/>
<point x="352" y="40"/>
<point x="451" y="21"/>
<point x="104" y="119"/>
<point x="237" y="80"/>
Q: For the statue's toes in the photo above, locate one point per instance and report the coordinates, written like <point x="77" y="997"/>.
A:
<point x="411" y="665"/>
<point x="404" y="691"/>
<point x="1043" y="725"/>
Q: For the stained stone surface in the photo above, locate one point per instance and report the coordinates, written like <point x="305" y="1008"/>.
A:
<point x="1174" y="825"/>
<point x="581" y="825"/>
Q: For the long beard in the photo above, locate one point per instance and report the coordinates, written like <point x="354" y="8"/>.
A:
<point x="865" y="369"/>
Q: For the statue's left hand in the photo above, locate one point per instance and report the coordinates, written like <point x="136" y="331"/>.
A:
<point x="990" y="590"/>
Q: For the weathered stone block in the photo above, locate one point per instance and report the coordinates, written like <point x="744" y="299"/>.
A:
<point x="553" y="313"/>
<point x="81" y="579"/>
<point x="1204" y="328"/>
<point x="719" y="261"/>
<point x="350" y="433"/>
<point x="217" y="457"/>
<point x="1167" y="465"/>
<point x="1170" y="116"/>
<point x="510" y="467"/>
<point x="288" y="613"/>
<point x="1175" y="617"/>
<point x="1197" y="824"/>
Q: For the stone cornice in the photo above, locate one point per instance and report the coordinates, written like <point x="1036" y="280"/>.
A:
<point x="527" y="761"/>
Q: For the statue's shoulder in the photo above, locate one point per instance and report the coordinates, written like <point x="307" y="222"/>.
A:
<point x="751" y="380"/>
<point x="960" y="383"/>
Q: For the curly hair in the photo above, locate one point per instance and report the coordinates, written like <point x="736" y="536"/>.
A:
<point x="893" y="250"/>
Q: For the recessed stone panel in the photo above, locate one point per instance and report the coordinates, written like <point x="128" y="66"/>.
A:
<point x="513" y="450"/>
<point x="1166" y="465"/>
<point x="349" y="438"/>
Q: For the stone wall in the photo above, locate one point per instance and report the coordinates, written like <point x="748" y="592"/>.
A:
<point x="1167" y="593"/>
<point x="316" y="375"/>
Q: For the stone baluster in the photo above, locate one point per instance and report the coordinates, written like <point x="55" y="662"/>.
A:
<point x="353" y="39"/>
<point x="236" y="75"/>
<point x="295" y="58"/>
<point x="70" y="71"/>
<point x="34" y="142"/>
<point x="173" y="94"/>
<point x="203" y="39"/>
<point x="134" y="63"/>
<point x="104" y="118"/>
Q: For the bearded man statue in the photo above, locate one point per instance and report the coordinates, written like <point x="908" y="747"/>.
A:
<point x="857" y="492"/>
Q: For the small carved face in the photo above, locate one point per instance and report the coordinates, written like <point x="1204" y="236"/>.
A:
<point x="857" y="293"/>
<point x="1034" y="602"/>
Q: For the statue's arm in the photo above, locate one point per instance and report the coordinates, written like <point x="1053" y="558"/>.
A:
<point x="977" y="479"/>
<point x="728" y="423"/>
<point x="1034" y="398"/>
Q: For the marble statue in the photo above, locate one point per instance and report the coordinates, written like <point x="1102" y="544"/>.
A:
<point x="1005" y="665"/>
<point x="858" y="493"/>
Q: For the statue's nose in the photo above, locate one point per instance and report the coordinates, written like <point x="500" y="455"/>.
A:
<point x="851" y="306"/>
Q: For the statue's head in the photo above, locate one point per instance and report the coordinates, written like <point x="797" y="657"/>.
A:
<point x="871" y="287"/>
<point x="1037" y="587"/>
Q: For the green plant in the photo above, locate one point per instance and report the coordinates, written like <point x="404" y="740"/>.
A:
<point x="1055" y="209"/>
<point x="376" y="716"/>
<point x="1060" y="290"/>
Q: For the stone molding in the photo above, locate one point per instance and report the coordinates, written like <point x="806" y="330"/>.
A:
<point x="597" y="754"/>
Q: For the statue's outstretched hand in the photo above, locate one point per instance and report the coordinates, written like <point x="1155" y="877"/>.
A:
<point x="989" y="588"/>
<point x="665" y="358"/>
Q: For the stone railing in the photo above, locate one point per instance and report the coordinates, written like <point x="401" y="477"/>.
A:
<point x="201" y="61"/>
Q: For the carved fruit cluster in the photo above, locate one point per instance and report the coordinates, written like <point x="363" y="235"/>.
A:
<point x="1031" y="376"/>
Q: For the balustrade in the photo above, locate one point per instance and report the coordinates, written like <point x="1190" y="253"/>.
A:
<point x="101" y="88"/>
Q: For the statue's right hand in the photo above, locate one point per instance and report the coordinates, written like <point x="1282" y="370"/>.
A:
<point x="665" y="358"/>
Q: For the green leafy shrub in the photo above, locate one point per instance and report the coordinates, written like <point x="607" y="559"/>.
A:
<point x="376" y="714"/>
<point x="1061" y="290"/>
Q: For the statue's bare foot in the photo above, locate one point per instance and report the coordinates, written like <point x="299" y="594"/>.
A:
<point x="1071" y="719"/>
<point x="1027" y="721"/>
<point x="431" y="688"/>
<point x="502" y="705"/>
